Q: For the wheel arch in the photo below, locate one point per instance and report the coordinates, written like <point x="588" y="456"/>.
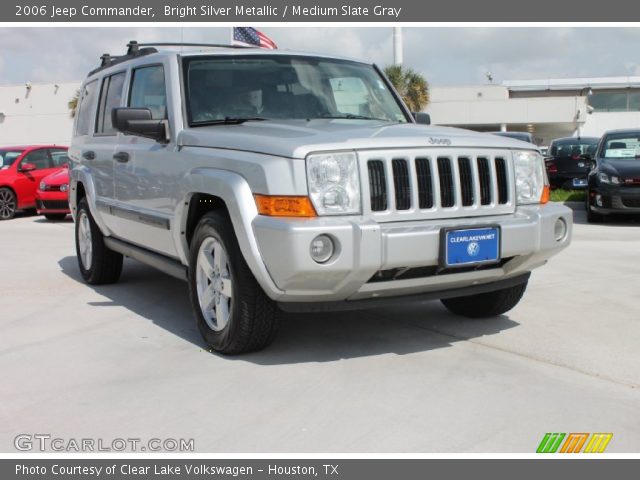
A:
<point x="207" y="189"/>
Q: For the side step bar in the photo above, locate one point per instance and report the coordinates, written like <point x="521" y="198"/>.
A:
<point x="155" y="260"/>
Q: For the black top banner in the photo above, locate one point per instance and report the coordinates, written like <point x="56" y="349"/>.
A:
<point x="260" y="11"/>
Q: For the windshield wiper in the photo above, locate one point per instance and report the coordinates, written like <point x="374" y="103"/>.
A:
<point x="228" y="121"/>
<point x="351" y="116"/>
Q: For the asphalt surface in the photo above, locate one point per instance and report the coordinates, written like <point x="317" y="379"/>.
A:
<point x="126" y="360"/>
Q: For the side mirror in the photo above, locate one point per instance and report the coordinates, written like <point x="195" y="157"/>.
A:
<point x="422" y="118"/>
<point x="28" y="167"/>
<point x="138" y="121"/>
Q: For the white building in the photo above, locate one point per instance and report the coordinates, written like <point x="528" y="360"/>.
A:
<point x="548" y="109"/>
<point x="36" y="113"/>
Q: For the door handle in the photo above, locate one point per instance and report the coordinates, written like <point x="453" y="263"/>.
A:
<point x="89" y="155"/>
<point x="122" y="157"/>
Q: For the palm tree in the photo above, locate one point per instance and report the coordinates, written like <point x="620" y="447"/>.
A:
<point x="412" y="87"/>
<point x="73" y="104"/>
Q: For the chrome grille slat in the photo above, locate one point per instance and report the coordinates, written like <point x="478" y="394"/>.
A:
<point x="414" y="184"/>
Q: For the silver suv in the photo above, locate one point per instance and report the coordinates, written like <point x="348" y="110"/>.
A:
<point x="273" y="180"/>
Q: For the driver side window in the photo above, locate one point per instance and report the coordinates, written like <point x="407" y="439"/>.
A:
<point x="148" y="90"/>
<point x="39" y="158"/>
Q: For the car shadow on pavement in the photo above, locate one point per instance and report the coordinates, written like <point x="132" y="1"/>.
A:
<point x="312" y="337"/>
<point x="580" y="218"/>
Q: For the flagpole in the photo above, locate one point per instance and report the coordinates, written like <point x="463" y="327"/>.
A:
<point x="397" y="45"/>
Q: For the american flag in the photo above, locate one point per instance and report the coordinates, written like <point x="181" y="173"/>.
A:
<point x="252" y="37"/>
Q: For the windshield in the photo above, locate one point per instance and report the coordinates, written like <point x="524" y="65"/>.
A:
<point x="285" y="87"/>
<point x="621" y="146"/>
<point x="7" y="157"/>
<point x="574" y="148"/>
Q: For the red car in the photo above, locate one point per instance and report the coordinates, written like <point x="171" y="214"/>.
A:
<point x="52" y="196"/>
<point x="21" y="171"/>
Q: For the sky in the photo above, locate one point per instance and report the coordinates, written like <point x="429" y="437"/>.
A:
<point x="445" y="55"/>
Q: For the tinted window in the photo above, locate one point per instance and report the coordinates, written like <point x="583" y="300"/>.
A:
<point x="609" y="102"/>
<point x="59" y="157"/>
<point x="148" y="91"/>
<point x="573" y="148"/>
<point x="84" y="109"/>
<point x="39" y="158"/>
<point x="7" y="157"/>
<point x="110" y="97"/>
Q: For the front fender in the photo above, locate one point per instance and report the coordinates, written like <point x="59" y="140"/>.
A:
<point x="234" y="190"/>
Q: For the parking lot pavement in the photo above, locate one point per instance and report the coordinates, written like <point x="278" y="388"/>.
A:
<point x="126" y="360"/>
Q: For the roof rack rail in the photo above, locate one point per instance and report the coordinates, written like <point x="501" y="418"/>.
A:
<point x="133" y="46"/>
<point x="135" y="49"/>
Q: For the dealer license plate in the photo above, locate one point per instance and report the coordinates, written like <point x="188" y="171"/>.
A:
<point x="579" y="182"/>
<point x="471" y="246"/>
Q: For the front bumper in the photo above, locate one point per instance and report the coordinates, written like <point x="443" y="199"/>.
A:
<point x="368" y="251"/>
<point x="607" y="199"/>
<point x="52" y="202"/>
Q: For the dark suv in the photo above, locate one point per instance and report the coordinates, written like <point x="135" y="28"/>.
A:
<point x="614" y="180"/>
<point x="568" y="161"/>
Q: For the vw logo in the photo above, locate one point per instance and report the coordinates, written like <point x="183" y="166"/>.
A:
<point x="473" y="249"/>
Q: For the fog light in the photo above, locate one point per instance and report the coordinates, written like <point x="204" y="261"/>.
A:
<point x="322" y="248"/>
<point x="599" y="200"/>
<point x="560" y="229"/>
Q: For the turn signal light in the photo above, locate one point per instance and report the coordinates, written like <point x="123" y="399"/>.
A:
<point x="284" y="206"/>
<point x="546" y="194"/>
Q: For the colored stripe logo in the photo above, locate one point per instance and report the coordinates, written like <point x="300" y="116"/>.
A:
<point x="573" y="442"/>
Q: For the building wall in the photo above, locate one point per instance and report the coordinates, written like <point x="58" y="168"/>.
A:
<point x="599" y="122"/>
<point x="37" y="115"/>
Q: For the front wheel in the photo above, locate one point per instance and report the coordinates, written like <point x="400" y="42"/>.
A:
<point x="8" y="204"/>
<point x="484" y="305"/>
<point x="232" y="312"/>
<point x="98" y="264"/>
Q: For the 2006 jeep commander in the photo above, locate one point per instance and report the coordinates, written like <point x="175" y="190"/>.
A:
<point x="272" y="180"/>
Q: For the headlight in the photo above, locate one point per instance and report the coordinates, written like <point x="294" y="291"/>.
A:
<point x="43" y="186"/>
<point x="334" y="183"/>
<point x="530" y="177"/>
<point x="610" y="179"/>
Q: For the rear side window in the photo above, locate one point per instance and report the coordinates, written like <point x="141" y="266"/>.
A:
<point x="59" y="157"/>
<point x="85" y="107"/>
<point x="110" y="97"/>
<point x="148" y="90"/>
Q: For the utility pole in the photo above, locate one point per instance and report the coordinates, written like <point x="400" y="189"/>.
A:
<point x="397" y="45"/>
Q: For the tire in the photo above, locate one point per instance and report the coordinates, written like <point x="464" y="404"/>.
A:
<point x="55" y="216"/>
<point x="98" y="264"/>
<point x="592" y="217"/>
<point x="232" y="312"/>
<point x="8" y="204"/>
<point x="485" y="305"/>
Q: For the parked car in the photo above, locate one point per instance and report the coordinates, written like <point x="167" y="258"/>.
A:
<point x="52" y="196"/>
<point x="614" y="180"/>
<point x="274" y="180"/>
<point x="568" y="163"/>
<point x="522" y="136"/>
<point x="21" y="171"/>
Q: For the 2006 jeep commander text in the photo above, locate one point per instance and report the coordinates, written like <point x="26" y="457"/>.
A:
<point x="276" y="180"/>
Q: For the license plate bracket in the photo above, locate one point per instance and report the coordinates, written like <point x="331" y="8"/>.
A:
<point x="470" y="246"/>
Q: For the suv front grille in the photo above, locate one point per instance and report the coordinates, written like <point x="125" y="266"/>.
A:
<point x="437" y="184"/>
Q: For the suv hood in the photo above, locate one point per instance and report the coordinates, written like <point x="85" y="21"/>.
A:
<point x="297" y="138"/>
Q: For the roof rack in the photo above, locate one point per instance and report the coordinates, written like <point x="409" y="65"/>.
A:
<point x="135" y="49"/>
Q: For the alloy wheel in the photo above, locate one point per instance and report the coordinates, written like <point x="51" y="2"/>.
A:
<point x="7" y="204"/>
<point x="214" y="284"/>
